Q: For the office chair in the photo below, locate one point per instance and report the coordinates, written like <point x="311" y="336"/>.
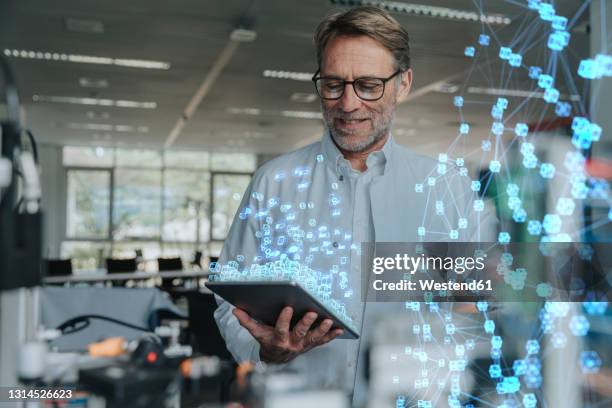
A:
<point x="197" y="260"/>
<point x="57" y="267"/>
<point x="114" y="265"/>
<point x="169" y="264"/>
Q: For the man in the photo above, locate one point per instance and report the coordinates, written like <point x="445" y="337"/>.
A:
<point x="320" y="202"/>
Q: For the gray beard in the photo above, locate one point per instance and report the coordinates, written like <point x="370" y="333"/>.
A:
<point x="344" y="141"/>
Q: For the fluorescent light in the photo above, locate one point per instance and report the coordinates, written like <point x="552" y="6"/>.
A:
<point x="93" y="83"/>
<point x="296" y="76"/>
<point x="516" y="92"/>
<point x="285" y="113"/>
<point x="303" y="97"/>
<point x="430" y="11"/>
<point x="301" y="114"/>
<point x="87" y="59"/>
<point x="94" y="101"/>
<point x="105" y="127"/>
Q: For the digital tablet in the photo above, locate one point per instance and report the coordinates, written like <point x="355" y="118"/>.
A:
<point x="264" y="301"/>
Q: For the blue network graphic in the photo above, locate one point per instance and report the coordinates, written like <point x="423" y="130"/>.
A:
<point x="442" y="339"/>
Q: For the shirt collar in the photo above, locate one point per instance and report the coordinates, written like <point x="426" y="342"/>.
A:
<point x="334" y="156"/>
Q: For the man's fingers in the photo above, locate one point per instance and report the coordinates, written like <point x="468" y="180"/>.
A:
<point x="301" y="328"/>
<point x="317" y="334"/>
<point x="281" y="329"/>
<point x="330" y="336"/>
<point x="247" y="322"/>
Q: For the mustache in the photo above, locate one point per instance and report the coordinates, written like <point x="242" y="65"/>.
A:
<point x="338" y="114"/>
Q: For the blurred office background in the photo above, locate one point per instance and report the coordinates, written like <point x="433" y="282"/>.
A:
<point x="151" y="117"/>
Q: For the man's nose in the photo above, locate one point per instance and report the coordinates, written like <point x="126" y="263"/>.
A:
<point x="349" y="100"/>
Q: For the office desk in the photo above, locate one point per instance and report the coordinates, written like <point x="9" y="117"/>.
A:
<point x="101" y="275"/>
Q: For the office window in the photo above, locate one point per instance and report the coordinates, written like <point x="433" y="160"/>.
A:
<point x="227" y="195"/>
<point x="137" y="204"/>
<point x="186" y="206"/>
<point x="237" y="162"/>
<point x="88" y="204"/>
<point x="138" y="158"/>
<point x="187" y="159"/>
<point x="163" y="203"/>
<point x="87" y="156"/>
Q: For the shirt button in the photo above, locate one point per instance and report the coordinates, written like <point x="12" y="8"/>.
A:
<point x="335" y="244"/>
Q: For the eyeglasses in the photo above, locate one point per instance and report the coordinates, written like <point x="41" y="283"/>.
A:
<point x="366" y="88"/>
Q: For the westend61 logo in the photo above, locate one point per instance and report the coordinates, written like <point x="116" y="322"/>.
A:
<point x="472" y="271"/>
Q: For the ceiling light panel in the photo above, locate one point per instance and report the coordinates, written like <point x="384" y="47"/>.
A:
<point x="119" y="103"/>
<point x="87" y="59"/>
<point x="97" y="83"/>
<point x="296" y="76"/>
<point x="444" y="13"/>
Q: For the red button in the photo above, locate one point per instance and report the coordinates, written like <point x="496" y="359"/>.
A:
<point x="151" y="357"/>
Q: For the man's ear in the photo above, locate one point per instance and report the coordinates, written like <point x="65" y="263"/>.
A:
<point x="405" y="84"/>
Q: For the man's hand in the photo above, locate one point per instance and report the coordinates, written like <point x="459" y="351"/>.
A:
<point x="278" y="344"/>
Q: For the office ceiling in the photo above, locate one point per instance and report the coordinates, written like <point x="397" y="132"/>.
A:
<point x="243" y="110"/>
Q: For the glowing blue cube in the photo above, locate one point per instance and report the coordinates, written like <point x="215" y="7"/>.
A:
<point x="458" y="101"/>
<point x="469" y="51"/>
<point x="505" y="52"/>
<point x="475" y="185"/>
<point x="534" y="4"/>
<point x="579" y="191"/>
<point x="587" y="69"/>
<point x="495" y="371"/>
<point x="532" y="347"/>
<point x="590" y="362"/>
<point x="495" y="166"/>
<point x="519" y="215"/>
<point x="514" y="203"/>
<point x="547" y="170"/>
<point x="496" y="342"/>
<point x="462" y="223"/>
<point x="484" y="40"/>
<point x="534" y="227"/>
<point x="421" y="231"/>
<point x="519" y="367"/>
<point x="530" y="161"/>
<point x="485" y="145"/>
<point x="535" y="72"/>
<point x="530" y="401"/>
<point x="565" y="206"/>
<point x="497" y="112"/>
<point x="509" y="385"/>
<point x="527" y="148"/>
<point x="559" y="23"/>
<point x="563" y="109"/>
<point x="482" y="306"/>
<point x="503" y="237"/>
<point x="551" y="224"/>
<point x="478" y="205"/>
<point x="547" y="11"/>
<point x="454" y="234"/>
<point x="579" y="326"/>
<point x="515" y="60"/>
<point x="582" y="139"/>
<point x="558" y="40"/>
<point x="521" y="129"/>
<point x="497" y="128"/>
<point x="502" y="103"/>
<point x="595" y="132"/>
<point x="558" y="340"/>
<point x="604" y="65"/>
<point x="464" y="128"/>
<point x="545" y="81"/>
<point x="418" y="188"/>
<point x="580" y="123"/>
<point x="460" y="161"/>
<point x="512" y="190"/>
<point x="551" y="95"/>
<point x="489" y="326"/>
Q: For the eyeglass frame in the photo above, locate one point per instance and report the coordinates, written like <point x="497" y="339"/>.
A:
<point x="352" y="83"/>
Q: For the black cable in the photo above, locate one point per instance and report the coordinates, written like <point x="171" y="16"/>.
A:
<point x="33" y="144"/>
<point x="70" y="326"/>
